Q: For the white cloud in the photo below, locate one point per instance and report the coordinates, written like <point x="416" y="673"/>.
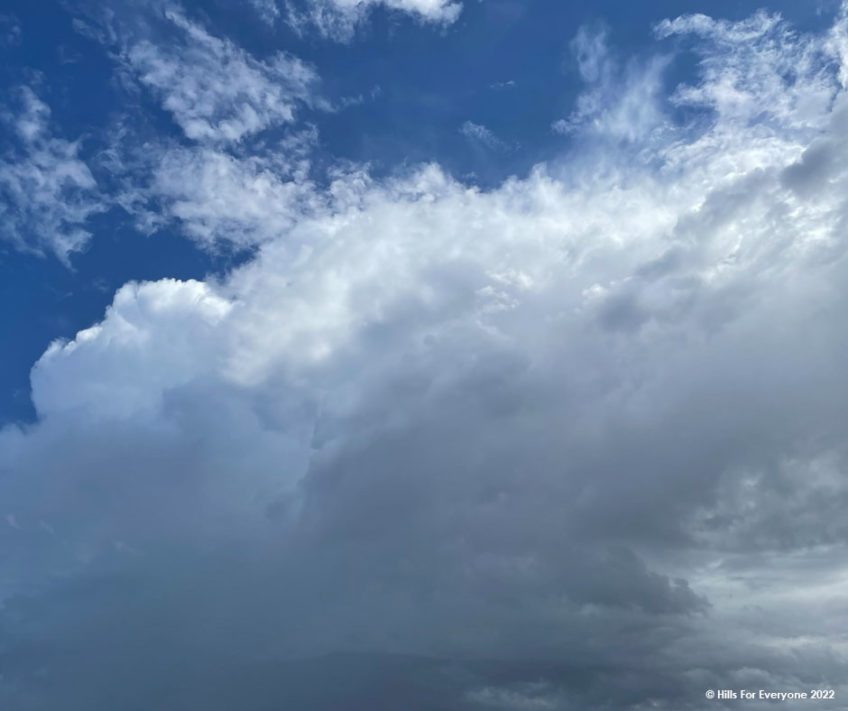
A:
<point x="219" y="199"/>
<point x="48" y="192"/>
<point x="10" y="31"/>
<point x="339" y="18"/>
<point x="267" y="10"/>
<point x="619" y="103"/>
<point x="433" y="10"/>
<point x="216" y="91"/>
<point x="751" y="70"/>
<point x="481" y="134"/>
<point x="134" y="322"/>
<point x="491" y="424"/>
<point x="219" y="95"/>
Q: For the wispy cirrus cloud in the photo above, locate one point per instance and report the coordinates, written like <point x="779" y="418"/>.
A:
<point x="48" y="192"/>
<point x="620" y="102"/>
<point x="481" y="134"/>
<point x="338" y="19"/>
<point x="222" y="98"/>
<point x="218" y="199"/>
<point x="216" y="91"/>
<point x="10" y="30"/>
<point x="268" y="10"/>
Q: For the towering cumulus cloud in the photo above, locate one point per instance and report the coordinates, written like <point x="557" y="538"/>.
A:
<point x="575" y="442"/>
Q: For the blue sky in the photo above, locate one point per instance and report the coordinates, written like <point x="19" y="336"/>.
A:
<point x="472" y="355"/>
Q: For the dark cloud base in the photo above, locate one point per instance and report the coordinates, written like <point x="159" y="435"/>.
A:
<point x="350" y="681"/>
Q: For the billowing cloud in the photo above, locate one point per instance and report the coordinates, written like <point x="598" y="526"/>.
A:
<point x="581" y="433"/>
<point x="47" y="192"/>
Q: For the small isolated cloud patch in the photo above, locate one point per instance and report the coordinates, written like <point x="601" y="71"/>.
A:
<point x="216" y="91"/>
<point x="482" y="135"/>
<point x="267" y="10"/>
<point x="10" y="31"/>
<point x="48" y="192"/>
<point x="338" y="19"/>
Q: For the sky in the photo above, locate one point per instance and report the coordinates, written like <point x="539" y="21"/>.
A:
<point x="442" y="355"/>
